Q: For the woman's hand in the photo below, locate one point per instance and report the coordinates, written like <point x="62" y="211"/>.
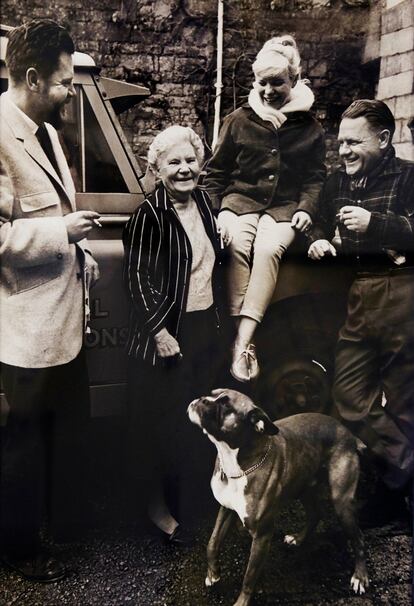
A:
<point x="223" y="226"/>
<point x="167" y="346"/>
<point x="301" y="220"/>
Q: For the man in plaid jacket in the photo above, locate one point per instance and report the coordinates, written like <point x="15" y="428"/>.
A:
<point x="370" y="205"/>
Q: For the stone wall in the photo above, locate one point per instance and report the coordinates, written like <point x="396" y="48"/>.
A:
<point x="169" y="46"/>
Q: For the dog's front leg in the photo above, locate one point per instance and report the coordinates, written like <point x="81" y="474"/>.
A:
<point x="224" y="520"/>
<point x="258" y="552"/>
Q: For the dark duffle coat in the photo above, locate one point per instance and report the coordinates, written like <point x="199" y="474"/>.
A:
<point x="256" y="168"/>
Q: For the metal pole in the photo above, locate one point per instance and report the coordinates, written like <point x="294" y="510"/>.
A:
<point x="219" y="81"/>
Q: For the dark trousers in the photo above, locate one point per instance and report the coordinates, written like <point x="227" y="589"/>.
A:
<point x="163" y="443"/>
<point x="43" y="445"/>
<point x="374" y="382"/>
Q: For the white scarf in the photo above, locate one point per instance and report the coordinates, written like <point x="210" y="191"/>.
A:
<point x="301" y="99"/>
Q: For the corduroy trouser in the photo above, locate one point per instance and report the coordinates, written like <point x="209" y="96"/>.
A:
<point x="374" y="380"/>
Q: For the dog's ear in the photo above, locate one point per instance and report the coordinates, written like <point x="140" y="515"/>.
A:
<point x="261" y="422"/>
<point x="220" y="395"/>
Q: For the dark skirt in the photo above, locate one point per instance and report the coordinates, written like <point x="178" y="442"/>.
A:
<point x="162" y="442"/>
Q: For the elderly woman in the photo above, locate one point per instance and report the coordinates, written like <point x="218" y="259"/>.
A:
<point x="171" y="244"/>
<point x="265" y="177"/>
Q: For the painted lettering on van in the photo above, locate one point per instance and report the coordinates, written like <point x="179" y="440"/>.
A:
<point x="114" y="336"/>
<point x="96" y="311"/>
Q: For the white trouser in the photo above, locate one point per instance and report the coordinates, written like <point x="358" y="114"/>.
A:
<point x="258" y="243"/>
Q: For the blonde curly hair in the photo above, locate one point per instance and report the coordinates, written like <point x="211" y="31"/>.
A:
<point x="279" y="47"/>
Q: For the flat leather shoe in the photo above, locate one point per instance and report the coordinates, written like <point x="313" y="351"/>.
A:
<point x="180" y="537"/>
<point x="42" y="568"/>
<point x="253" y="363"/>
<point x="245" y="366"/>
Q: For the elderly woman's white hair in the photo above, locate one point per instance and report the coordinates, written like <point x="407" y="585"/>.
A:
<point x="274" y="49"/>
<point x="171" y="136"/>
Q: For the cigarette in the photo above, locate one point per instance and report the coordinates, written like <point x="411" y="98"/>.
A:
<point x="97" y="222"/>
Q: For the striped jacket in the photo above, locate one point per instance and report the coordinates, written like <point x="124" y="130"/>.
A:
<point x="157" y="268"/>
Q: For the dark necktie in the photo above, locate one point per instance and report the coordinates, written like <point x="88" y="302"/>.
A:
<point x="44" y="140"/>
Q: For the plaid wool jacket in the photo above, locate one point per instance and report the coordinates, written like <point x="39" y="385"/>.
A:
<point x="388" y="193"/>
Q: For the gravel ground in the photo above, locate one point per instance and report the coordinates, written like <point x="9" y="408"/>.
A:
<point x="122" y="566"/>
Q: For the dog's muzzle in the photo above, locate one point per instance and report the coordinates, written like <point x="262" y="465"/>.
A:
<point x="193" y="414"/>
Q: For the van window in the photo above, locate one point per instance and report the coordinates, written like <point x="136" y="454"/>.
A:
<point x="93" y="166"/>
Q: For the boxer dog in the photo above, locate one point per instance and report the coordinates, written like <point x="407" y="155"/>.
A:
<point x="261" y="466"/>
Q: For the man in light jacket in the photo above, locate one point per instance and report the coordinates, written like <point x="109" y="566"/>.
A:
<point x="46" y="269"/>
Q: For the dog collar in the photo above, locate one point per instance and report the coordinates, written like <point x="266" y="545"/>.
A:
<point x="224" y="476"/>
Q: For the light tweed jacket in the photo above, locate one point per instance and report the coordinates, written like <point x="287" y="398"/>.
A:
<point x="42" y="275"/>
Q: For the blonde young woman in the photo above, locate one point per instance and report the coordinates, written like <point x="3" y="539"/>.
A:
<point x="265" y="177"/>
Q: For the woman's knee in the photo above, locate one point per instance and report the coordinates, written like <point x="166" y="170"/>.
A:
<point x="269" y="250"/>
<point x="241" y="245"/>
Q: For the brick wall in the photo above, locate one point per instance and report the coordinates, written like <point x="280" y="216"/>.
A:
<point x="396" y="82"/>
<point x="169" y="46"/>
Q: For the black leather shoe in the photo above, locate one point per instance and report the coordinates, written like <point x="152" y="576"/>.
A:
<point x="41" y="568"/>
<point x="180" y="537"/>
